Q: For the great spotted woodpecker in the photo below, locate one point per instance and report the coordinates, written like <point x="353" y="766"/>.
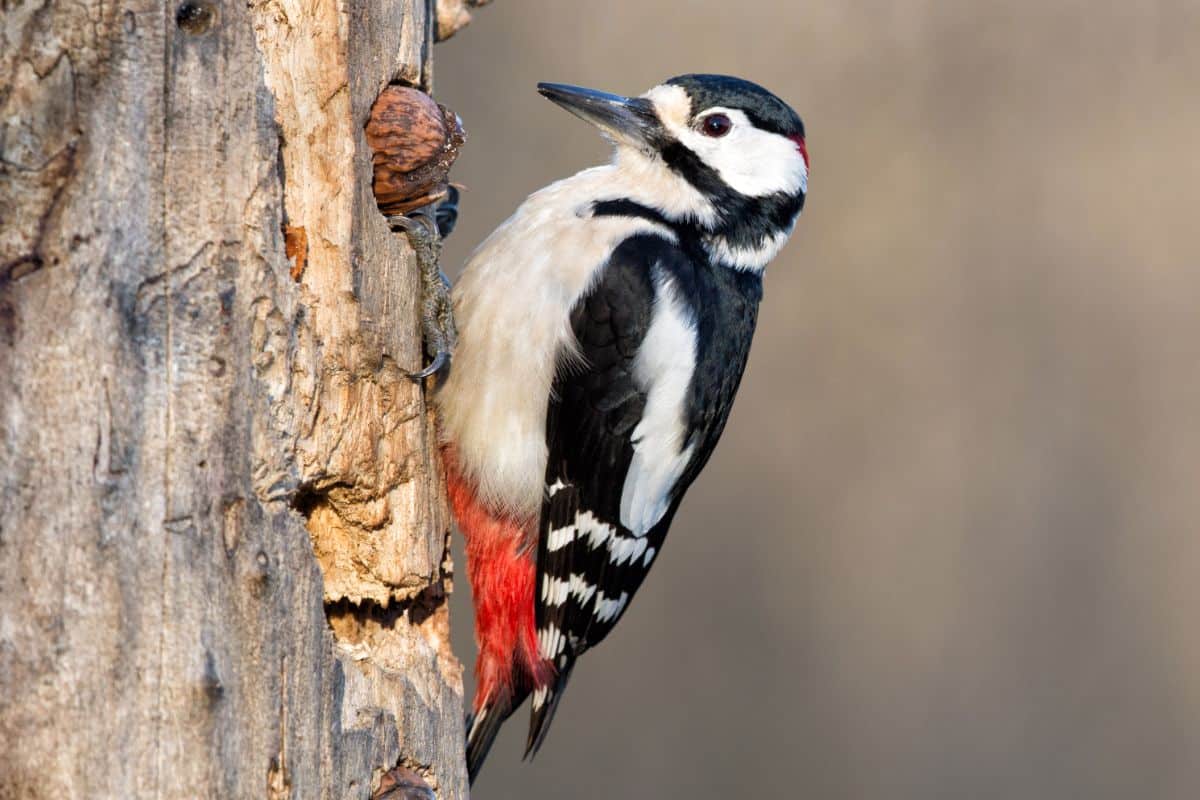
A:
<point x="603" y="330"/>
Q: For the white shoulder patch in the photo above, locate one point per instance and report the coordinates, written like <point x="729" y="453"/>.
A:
<point x="663" y="368"/>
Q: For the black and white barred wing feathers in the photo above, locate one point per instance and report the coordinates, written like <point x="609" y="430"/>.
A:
<point x="630" y="422"/>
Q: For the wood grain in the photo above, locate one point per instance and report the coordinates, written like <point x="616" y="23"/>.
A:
<point x="223" y="554"/>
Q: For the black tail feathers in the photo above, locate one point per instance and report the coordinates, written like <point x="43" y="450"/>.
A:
<point x="545" y="704"/>
<point x="483" y="726"/>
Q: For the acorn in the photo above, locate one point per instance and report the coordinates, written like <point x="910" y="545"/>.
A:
<point x="415" y="141"/>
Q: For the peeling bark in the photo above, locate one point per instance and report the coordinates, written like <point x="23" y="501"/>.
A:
<point x="223" y="547"/>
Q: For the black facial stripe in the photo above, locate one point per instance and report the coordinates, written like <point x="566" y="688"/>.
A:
<point x="752" y="220"/>
<point x="685" y="162"/>
<point x="742" y="221"/>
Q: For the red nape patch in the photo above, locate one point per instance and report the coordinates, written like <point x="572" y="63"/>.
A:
<point x="502" y="576"/>
<point x="802" y="147"/>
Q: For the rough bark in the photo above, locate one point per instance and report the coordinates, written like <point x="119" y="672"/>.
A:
<point x="223" y="557"/>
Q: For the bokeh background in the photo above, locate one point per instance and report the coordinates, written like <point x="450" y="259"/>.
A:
<point x="949" y="544"/>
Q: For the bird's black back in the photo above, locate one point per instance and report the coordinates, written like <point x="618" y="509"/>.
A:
<point x="596" y="404"/>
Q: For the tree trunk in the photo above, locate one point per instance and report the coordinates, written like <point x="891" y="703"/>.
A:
<point x="223" y="560"/>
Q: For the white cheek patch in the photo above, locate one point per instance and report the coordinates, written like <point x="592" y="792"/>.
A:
<point x="751" y="161"/>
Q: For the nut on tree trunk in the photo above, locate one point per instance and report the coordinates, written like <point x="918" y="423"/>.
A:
<point x="415" y="141"/>
<point x="402" y="783"/>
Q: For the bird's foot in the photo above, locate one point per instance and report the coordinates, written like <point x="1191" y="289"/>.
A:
<point x="437" y="314"/>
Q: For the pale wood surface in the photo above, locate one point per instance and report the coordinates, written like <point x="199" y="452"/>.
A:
<point x="180" y="418"/>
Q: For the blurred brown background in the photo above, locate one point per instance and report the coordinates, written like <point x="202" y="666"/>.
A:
<point x="948" y="546"/>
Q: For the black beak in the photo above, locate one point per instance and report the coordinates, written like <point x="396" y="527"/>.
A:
<point x="626" y="119"/>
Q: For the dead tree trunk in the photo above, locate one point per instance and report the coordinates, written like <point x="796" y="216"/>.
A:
<point x="223" y="554"/>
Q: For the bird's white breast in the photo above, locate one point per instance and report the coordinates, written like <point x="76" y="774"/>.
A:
<point x="513" y="305"/>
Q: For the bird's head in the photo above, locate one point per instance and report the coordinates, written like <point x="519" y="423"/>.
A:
<point x="738" y="146"/>
<point x="736" y="130"/>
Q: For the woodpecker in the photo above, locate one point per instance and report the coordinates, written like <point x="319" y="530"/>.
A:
<point x="603" y="331"/>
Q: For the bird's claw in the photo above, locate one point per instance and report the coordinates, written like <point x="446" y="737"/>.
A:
<point x="439" y="360"/>
<point x="437" y="314"/>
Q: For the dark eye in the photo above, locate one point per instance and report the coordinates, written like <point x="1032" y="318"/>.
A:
<point x="716" y="125"/>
